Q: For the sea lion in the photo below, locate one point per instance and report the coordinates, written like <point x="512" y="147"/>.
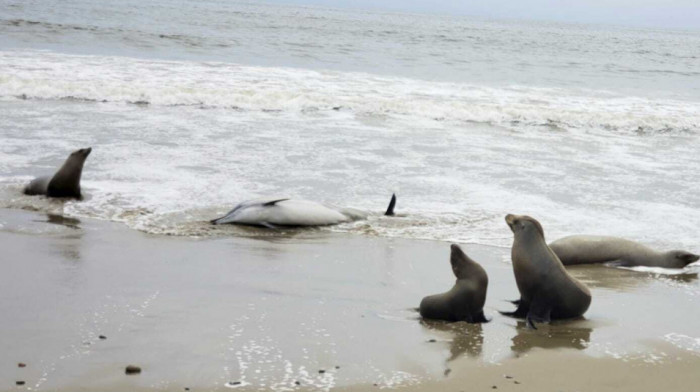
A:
<point x="585" y="249"/>
<point x="275" y="212"/>
<point x="465" y="300"/>
<point x="66" y="181"/>
<point x="547" y="291"/>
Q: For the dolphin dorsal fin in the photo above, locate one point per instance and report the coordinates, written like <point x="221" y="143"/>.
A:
<point x="392" y="204"/>
<point x="273" y="202"/>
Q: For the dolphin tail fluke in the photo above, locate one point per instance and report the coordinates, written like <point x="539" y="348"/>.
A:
<point x="392" y="204"/>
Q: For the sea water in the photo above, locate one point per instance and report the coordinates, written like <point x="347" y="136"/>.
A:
<point x="193" y="106"/>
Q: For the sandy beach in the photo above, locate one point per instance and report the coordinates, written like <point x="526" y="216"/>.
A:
<point x="311" y="310"/>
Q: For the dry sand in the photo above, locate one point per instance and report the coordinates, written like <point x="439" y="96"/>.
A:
<point x="270" y="311"/>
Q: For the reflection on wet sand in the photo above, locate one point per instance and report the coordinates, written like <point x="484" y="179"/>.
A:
<point x="564" y="334"/>
<point x="466" y="338"/>
<point x="71" y="223"/>
<point x="601" y="276"/>
<point x="69" y="244"/>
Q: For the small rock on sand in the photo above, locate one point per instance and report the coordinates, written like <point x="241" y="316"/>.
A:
<point x="19" y="382"/>
<point x="21" y="364"/>
<point x="131" y="369"/>
<point x="102" y="337"/>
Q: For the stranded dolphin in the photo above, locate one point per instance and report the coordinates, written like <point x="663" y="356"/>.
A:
<point x="273" y="212"/>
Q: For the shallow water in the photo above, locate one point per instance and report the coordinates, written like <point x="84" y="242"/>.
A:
<point x="182" y="133"/>
<point x="192" y="107"/>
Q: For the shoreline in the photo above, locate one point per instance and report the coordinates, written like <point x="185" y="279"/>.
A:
<point x="267" y="312"/>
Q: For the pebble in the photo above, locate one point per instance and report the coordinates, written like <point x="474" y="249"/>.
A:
<point x="337" y="367"/>
<point x="20" y="383"/>
<point x="131" y="369"/>
<point x="494" y="387"/>
<point x="516" y="382"/>
<point x="507" y="376"/>
<point x="321" y="371"/>
<point x="235" y="382"/>
<point x="297" y="383"/>
<point x="432" y="341"/>
<point x="21" y="364"/>
<point x="102" y="337"/>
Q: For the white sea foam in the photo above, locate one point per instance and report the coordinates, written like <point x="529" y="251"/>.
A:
<point x="50" y="76"/>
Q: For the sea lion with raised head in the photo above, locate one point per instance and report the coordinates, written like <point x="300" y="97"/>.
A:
<point x="547" y="291"/>
<point x="275" y="212"/>
<point x="588" y="249"/>
<point x="66" y="181"/>
<point x="465" y="300"/>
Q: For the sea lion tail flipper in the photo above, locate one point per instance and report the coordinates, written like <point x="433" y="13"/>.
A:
<point x="392" y="204"/>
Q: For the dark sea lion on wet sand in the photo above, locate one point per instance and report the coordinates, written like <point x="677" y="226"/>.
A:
<point x="588" y="249"/>
<point x="66" y="181"/>
<point x="547" y="291"/>
<point x="465" y="300"/>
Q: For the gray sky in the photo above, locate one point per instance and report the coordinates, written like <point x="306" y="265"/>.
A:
<point x="683" y="14"/>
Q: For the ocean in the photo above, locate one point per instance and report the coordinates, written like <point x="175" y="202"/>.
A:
<point x="194" y="106"/>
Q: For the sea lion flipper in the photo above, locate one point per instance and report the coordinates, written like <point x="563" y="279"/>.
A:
<point x="619" y="263"/>
<point x="540" y="311"/>
<point x="481" y="318"/>
<point x="269" y="225"/>
<point x="529" y="322"/>
<point x="520" y="312"/>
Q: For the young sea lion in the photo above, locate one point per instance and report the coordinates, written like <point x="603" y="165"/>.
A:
<point x="66" y="181"/>
<point x="547" y="291"/>
<point x="588" y="249"/>
<point x="465" y="300"/>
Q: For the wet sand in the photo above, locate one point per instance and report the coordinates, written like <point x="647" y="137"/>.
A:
<point x="311" y="310"/>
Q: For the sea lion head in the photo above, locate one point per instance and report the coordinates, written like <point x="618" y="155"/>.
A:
<point x="524" y="224"/>
<point x="461" y="263"/>
<point x="82" y="153"/>
<point x="681" y="258"/>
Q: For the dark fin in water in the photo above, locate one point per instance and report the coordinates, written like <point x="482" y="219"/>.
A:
<point x="273" y="202"/>
<point x="392" y="204"/>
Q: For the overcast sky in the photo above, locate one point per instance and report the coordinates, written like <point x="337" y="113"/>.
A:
<point x="682" y="14"/>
